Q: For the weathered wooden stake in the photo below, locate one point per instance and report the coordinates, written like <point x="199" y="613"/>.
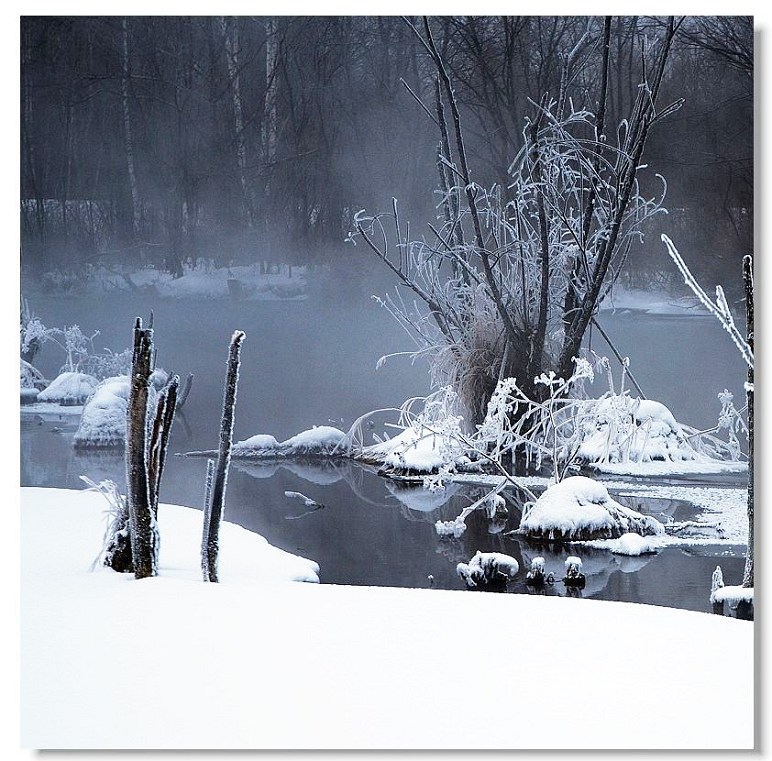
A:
<point x="207" y="519"/>
<point x="219" y="483"/>
<point x="748" y="282"/>
<point x="142" y="525"/>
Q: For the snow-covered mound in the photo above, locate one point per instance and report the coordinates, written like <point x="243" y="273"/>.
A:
<point x="103" y="422"/>
<point x="320" y="441"/>
<point x="69" y="388"/>
<point x="579" y="508"/>
<point x="630" y="544"/>
<point x="416" y="450"/>
<point x="70" y="524"/>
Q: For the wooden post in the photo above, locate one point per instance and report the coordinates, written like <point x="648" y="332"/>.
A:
<point x="219" y="483"/>
<point x="207" y="519"/>
<point x="748" y="282"/>
<point x="142" y="525"/>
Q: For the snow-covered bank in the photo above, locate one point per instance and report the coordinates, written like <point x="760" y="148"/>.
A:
<point x="200" y="280"/>
<point x="171" y="662"/>
<point x="670" y="468"/>
<point x="623" y="299"/>
<point x="68" y="526"/>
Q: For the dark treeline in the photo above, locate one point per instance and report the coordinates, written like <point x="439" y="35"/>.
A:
<point x="255" y="139"/>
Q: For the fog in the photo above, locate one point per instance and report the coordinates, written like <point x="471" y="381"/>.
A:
<point x="158" y="140"/>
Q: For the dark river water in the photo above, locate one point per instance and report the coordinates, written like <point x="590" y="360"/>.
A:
<point x="313" y="362"/>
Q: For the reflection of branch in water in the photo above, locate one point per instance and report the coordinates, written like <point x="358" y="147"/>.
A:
<point x="307" y="512"/>
<point x="317" y="471"/>
<point x="307" y="501"/>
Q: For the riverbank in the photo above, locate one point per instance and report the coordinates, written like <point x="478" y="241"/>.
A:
<point x="108" y="662"/>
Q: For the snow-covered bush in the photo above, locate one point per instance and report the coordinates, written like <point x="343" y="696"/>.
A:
<point x="431" y="439"/>
<point x="568" y="430"/>
<point x="107" y="364"/>
<point x="619" y="428"/>
<point x="30" y="377"/>
<point x="579" y="508"/>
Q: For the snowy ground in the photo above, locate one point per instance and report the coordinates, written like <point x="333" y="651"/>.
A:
<point x="204" y="280"/>
<point x="51" y="410"/>
<point x="670" y="468"/>
<point x="651" y="301"/>
<point x="171" y="662"/>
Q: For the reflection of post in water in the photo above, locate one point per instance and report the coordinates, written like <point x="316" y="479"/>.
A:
<point x="105" y="464"/>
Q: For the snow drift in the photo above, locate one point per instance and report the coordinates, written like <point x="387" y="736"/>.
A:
<point x="320" y="441"/>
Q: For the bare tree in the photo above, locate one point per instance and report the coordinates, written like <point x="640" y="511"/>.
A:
<point x="510" y="288"/>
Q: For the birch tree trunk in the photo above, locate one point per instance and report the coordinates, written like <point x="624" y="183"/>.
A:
<point x="230" y="34"/>
<point x="216" y="507"/>
<point x="125" y="72"/>
<point x="271" y="73"/>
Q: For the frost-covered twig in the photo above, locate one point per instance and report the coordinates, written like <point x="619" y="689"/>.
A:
<point x="719" y="308"/>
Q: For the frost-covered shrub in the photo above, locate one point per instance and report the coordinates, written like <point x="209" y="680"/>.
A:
<point x="107" y="364"/>
<point x="579" y="508"/>
<point x="431" y="440"/>
<point x="30" y="377"/>
<point x="620" y="428"/>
